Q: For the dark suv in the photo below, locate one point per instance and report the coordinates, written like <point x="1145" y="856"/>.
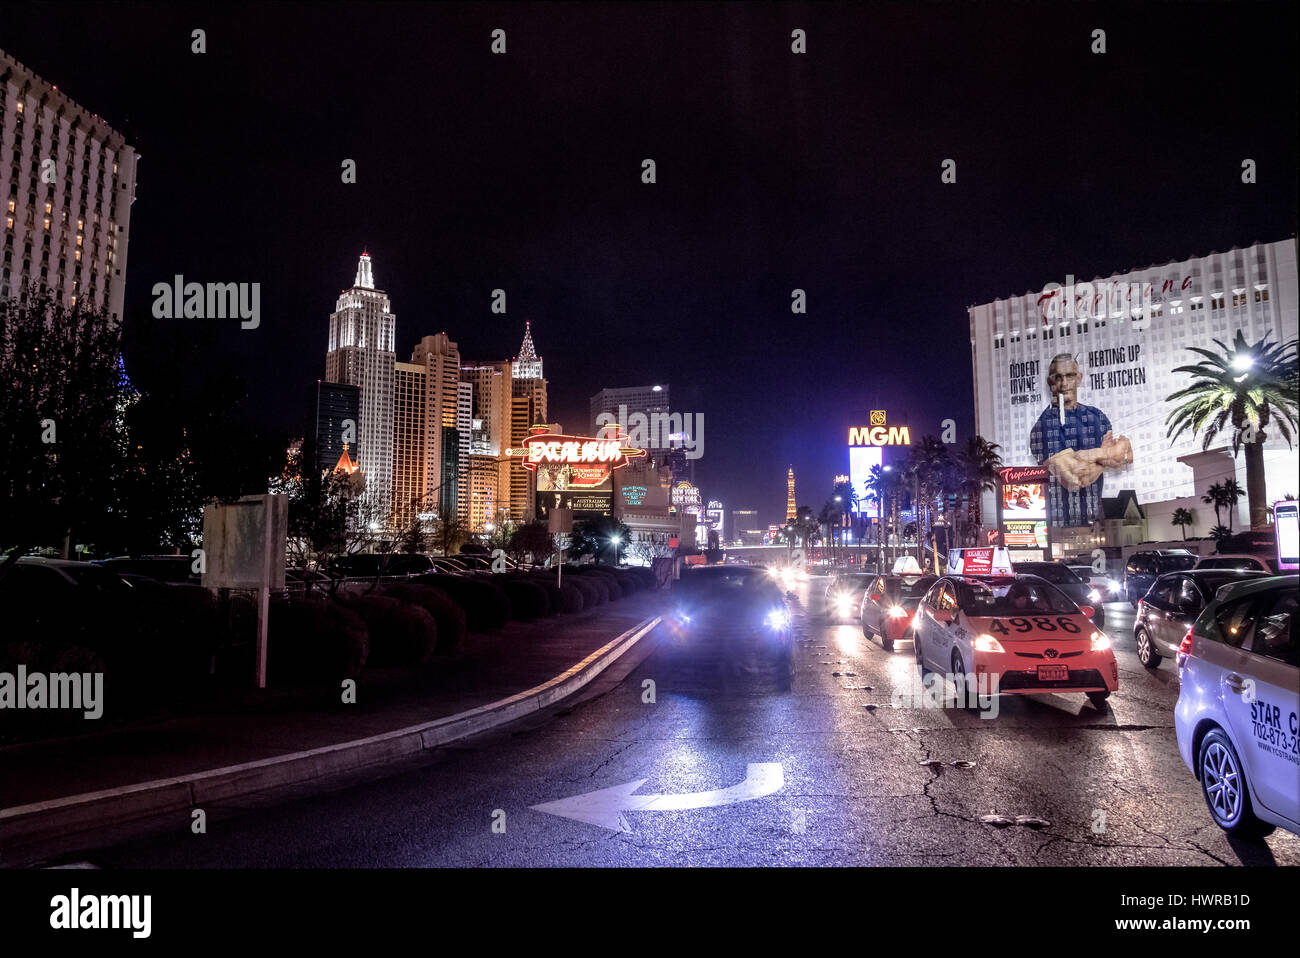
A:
<point x="1172" y="604"/>
<point x="1067" y="580"/>
<point x="1143" y="568"/>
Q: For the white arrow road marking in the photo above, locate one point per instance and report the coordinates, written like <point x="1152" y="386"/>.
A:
<point x="605" y="807"/>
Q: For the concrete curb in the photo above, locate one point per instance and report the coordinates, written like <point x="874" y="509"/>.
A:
<point x="28" y="824"/>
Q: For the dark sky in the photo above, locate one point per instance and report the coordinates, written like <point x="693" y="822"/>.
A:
<point x="775" y="171"/>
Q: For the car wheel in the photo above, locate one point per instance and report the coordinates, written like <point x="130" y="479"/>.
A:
<point x="1147" y="653"/>
<point x="1099" y="619"/>
<point x="919" y="653"/>
<point x="966" y="690"/>
<point x="1098" y="700"/>
<point x="886" y="642"/>
<point x="1223" y="785"/>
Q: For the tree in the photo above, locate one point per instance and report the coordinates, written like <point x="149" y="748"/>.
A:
<point x="1248" y="386"/>
<point x="61" y="403"/>
<point x="1214" y="497"/>
<point x="1182" y="518"/>
<point x="323" y="507"/>
<point x="603" y="535"/>
<point x="1220" y="534"/>
<point x="1231" y="496"/>
<point x="531" y="539"/>
<point x="449" y="533"/>
<point x="979" y="463"/>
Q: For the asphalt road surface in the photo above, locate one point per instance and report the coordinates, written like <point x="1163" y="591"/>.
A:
<point x="731" y="770"/>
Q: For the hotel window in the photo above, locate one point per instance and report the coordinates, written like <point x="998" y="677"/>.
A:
<point x="1216" y="301"/>
<point x="1238" y="299"/>
<point x="1261" y="294"/>
<point x="1197" y="304"/>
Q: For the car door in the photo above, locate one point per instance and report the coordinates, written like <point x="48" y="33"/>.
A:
<point x="1157" y="604"/>
<point x="872" y="610"/>
<point x="1261" y="698"/>
<point x="1183" y="603"/>
<point x="941" y="633"/>
<point x="926" y="626"/>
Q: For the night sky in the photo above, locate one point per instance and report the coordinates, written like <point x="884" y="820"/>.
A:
<point x="775" y="171"/>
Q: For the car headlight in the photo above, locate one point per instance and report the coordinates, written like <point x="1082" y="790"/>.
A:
<point x="778" y="619"/>
<point x="897" y="612"/>
<point x="1100" y="642"/>
<point x="1094" y="595"/>
<point x="1114" y="586"/>
<point x="986" y="643"/>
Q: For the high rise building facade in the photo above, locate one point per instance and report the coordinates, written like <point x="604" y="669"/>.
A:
<point x="360" y="353"/>
<point x="790" y="509"/>
<point x="410" y="458"/>
<point x="336" y="413"/>
<point x="625" y="401"/>
<point x="1124" y="336"/>
<point x="491" y="390"/>
<point x="67" y="181"/>
<point x="527" y="409"/>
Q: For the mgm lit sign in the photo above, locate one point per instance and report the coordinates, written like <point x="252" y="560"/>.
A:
<point x="879" y="433"/>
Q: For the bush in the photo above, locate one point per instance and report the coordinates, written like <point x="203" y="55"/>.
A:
<point x="546" y="583"/>
<point x="485" y="603"/>
<point x="401" y="633"/>
<point x="449" y="616"/>
<point x="593" y="592"/>
<point x="528" y="600"/>
<point x="314" y="640"/>
<point x="606" y="581"/>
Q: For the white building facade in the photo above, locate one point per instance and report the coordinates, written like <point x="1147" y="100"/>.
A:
<point x="361" y="353"/>
<point x="1127" y="333"/>
<point x="67" y="180"/>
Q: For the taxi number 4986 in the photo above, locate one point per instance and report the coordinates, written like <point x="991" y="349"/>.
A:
<point x="1042" y="623"/>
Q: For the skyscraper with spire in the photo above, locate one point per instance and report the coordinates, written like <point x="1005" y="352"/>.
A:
<point x="527" y="409"/>
<point x="790" y="510"/>
<point x="361" y="353"/>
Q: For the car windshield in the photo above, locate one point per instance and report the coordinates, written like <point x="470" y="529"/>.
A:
<point x="1015" y="598"/>
<point x="853" y="583"/>
<point x="93" y="577"/>
<point x="1238" y="564"/>
<point x="1175" y="563"/>
<point x="909" y="587"/>
<point x="1056" y="574"/>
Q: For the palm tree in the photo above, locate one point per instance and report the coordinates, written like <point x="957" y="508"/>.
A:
<point x="1214" y="497"/>
<point x="1182" y="518"/>
<point x="980" y="462"/>
<point x="1231" y="496"/>
<point x="1220" y="534"/>
<point x="826" y="518"/>
<point x="928" y="464"/>
<point x="1249" y="386"/>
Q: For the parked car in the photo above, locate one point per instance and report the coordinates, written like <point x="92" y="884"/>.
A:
<point x="38" y="577"/>
<point x="1064" y="578"/>
<point x="1143" y="568"/>
<point x="163" y="568"/>
<point x="889" y="605"/>
<point x="1026" y="635"/>
<point x="1239" y="703"/>
<point x="1172" y="604"/>
<point x="1240" y="561"/>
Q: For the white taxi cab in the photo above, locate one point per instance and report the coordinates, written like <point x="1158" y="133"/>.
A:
<point x="1238" y="711"/>
<point x="1012" y="635"/>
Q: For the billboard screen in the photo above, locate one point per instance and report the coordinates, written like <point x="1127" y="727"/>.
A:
<point x="1286" y="519"/>
<point x="861" y="459"/>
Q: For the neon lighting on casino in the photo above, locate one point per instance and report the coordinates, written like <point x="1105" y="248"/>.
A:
<point x="576" y="450"/>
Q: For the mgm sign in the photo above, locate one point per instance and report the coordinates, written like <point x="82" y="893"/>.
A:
<point x="878" y="433"/>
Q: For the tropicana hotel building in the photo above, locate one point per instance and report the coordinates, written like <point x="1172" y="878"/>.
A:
<point x="1127" y="333"/>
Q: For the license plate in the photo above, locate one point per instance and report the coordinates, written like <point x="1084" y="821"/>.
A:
<point x="1053" y="673"/>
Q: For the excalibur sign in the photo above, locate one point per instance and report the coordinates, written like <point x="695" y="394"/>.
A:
<point x="606" y="806"/>
<point x="576" y="450"/>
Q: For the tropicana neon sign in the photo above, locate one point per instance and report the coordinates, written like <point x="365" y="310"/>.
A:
<point x="576" y="450"/>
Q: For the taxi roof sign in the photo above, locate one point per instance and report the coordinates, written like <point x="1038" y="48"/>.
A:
<point x="989" y="560"/>
<point x="907" y="565"/>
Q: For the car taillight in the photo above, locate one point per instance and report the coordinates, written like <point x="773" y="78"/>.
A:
<point x="1185" y="647"/>
<point x="1139" y="613"/>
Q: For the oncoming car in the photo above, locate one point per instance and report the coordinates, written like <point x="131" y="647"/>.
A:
<point x="1238" y="711"/>
<point x="844" y="596"/>
<point x="734" y="613"/>
<point x="1008" y="635"/>
<point x="890" y="604"/>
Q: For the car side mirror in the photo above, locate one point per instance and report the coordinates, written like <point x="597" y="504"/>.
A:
<point x="1087" y="610"/>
